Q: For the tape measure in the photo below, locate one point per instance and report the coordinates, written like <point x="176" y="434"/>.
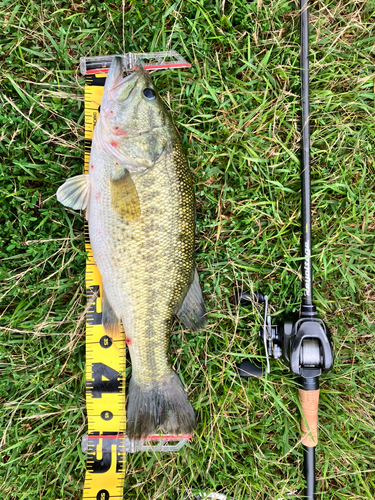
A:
<point x="106" y="444"/>
<point x="105" y="359"/>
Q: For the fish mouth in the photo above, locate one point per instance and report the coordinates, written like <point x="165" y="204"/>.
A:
<point x="117" y="80"/>
<point x="115" y="75"/>
<point x="121" y="82"/>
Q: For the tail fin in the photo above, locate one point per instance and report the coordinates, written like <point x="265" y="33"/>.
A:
<point x="162" y="405"/>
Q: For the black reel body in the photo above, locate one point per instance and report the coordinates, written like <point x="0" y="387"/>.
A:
<point x="305" y="343"/>
<point x="308" y="349"/>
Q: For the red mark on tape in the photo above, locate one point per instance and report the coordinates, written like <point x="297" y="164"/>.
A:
<point x="92" y="166"/>
<point x="98" y="195"/>
<point x="128" y="341"/>
<point x="114" y="144"/>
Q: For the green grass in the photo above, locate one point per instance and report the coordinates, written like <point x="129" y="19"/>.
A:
<point x="237" y="109"/>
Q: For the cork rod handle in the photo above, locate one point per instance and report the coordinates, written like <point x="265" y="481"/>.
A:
<point x="309" y="417"/>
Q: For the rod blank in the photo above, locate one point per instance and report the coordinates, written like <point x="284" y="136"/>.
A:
<point x="305" y="174"/>
<point x="309" y="466"/>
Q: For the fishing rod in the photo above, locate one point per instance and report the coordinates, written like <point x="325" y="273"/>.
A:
<point x="304" y="342"/>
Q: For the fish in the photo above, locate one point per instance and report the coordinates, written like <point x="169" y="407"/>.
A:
<point x="140" y="206"/>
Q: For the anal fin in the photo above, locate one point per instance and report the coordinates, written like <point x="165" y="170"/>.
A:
<point x="111" y="323"/>
<point x="193" y="312"/>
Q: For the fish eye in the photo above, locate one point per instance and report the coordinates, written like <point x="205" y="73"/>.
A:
<point x="149" y="94"/>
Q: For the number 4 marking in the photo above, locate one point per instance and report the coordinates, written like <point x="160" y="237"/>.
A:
<point x="104" y="380"/>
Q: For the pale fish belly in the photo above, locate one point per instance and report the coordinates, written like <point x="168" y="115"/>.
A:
<point x="146" y="265"/>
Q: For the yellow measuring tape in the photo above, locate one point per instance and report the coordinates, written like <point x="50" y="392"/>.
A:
<point x="105" y="360"/>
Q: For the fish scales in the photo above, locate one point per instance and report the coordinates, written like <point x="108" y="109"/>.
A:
<point x="140" y="209"/>
<point x="146" y="265"/>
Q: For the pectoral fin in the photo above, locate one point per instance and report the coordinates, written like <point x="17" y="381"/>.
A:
<point x="75" y="192"/>
<point x="193" y="311"/>
<point x="124" y="198"/>
<point x="111" y="323"/>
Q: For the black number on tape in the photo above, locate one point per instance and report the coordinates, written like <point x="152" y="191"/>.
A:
<point x="105" y="342"/>
<point x="93" y="79"/>
<point x="102" y="495"/>
<point x="106" y="415"/>
<point x="101" y="465"/>
<point x="98" y="386"/>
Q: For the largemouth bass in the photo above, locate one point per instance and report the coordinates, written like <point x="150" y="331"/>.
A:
<point x="139" y="203"/>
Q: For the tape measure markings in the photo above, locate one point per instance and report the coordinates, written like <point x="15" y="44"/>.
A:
<point x="105" y="360"/>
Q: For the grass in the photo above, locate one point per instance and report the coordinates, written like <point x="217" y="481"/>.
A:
<point x="237" y="110"/>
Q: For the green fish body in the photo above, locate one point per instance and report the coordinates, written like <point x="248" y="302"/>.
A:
<point x="140" y="209"/>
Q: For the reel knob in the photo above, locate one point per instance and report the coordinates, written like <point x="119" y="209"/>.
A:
<point x="246" y="298"/>
<point x="248" y="369"/>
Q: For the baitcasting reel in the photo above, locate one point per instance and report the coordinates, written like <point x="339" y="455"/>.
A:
<point x="304" y="342"/>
